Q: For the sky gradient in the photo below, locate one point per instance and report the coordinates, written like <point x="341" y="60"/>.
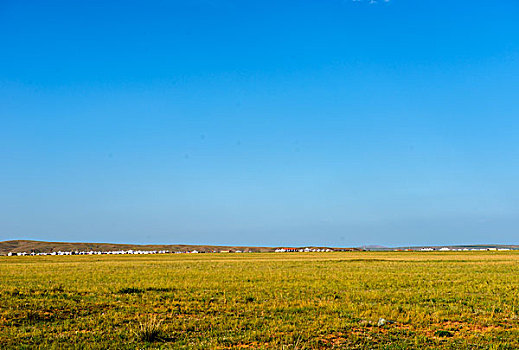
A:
<point x="327" y="122"/>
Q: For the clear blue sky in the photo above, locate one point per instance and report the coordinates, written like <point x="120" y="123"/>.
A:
<point x="330" y="122"/>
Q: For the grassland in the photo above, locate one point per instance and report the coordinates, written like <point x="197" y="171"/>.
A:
<point x="263" y="300"/>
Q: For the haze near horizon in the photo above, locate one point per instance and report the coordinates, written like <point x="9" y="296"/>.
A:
<point x="333" y="123"/>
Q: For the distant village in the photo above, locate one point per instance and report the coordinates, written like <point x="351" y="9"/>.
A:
<point x="276" y="250"/>
<point x="119" y="252"/>
<point x="447" y="249"/>
<point x="151" y="252"/>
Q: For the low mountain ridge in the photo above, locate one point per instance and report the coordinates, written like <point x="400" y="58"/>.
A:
<point x="29" y="246"/>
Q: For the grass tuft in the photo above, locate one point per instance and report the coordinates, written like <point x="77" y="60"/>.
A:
<point x="150" y="330"/>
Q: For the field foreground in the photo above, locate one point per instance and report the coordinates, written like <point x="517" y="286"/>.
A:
<point x="262" y="300"/>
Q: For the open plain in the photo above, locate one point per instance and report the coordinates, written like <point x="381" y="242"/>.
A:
<point x="386" y="300"/>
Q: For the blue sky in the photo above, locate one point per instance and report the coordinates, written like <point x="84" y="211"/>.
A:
<point x="329" y="122"/>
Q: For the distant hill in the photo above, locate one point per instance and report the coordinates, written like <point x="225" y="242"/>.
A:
<point x="19" y="246"/>
<point x="28" y="246"/>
